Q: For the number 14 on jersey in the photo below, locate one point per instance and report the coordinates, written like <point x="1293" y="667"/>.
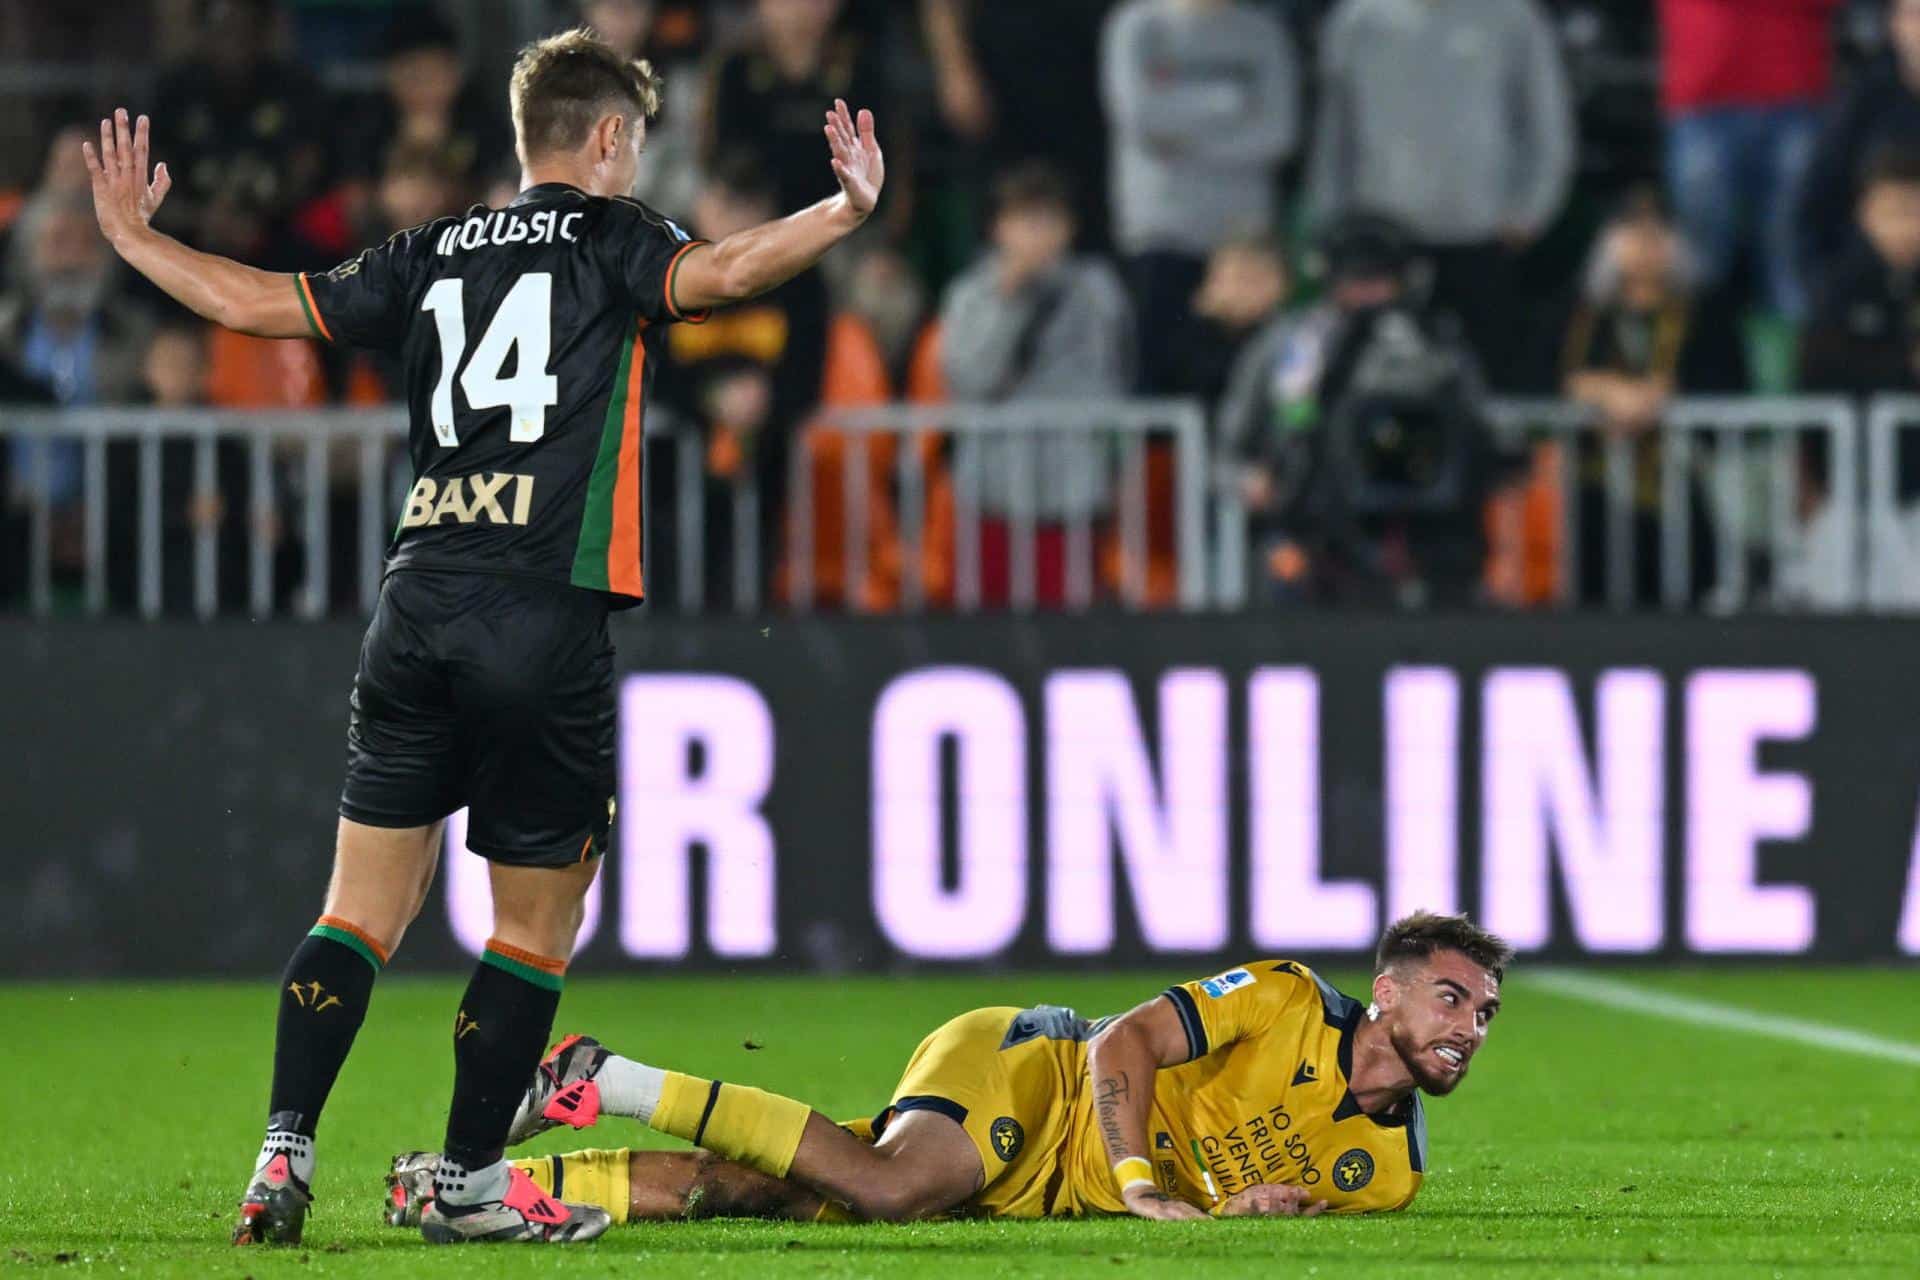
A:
<point x="522" y="326"/>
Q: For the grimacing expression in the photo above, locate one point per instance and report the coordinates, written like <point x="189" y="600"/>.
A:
<point x="1441" y="1009"/>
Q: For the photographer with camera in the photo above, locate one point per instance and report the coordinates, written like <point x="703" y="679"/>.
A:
<point x="1353" y="434"/>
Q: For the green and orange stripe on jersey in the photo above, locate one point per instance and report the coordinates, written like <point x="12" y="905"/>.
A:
<point x="308" y="305"/>
<point x="666" y="287"/>
<point x="607" y="556"/>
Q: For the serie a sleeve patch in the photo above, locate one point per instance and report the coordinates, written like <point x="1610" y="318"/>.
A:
<point x="1230" y="981"/>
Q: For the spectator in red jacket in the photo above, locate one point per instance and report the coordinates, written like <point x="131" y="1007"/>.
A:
<point x="1742" y="84"/>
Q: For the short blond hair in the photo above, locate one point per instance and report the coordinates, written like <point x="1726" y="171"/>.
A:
<point x="564" y="84"/>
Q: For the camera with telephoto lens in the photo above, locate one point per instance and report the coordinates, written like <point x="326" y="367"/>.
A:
<point x="1405" y="430"/>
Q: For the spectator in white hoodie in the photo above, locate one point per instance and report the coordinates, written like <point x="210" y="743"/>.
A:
<point x="1453" y="118"/>
<point x="1203" y="108"/>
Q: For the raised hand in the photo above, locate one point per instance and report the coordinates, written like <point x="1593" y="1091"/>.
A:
<point x="123" y="198"/>
<point x="857" y="162"/>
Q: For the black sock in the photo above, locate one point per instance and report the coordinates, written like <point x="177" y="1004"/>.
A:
<point x="498" y="1038"/>
<point x="323" y="1000"/>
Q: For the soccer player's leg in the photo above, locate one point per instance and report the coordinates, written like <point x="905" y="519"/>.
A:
<point x="1007" y="1094"/>
<point x="632" y="1186"/>
<point x="923" y="1165"/>
<point x="503" y="1021"/>
<point x="399" y="785"/>
<point x="535" y="694"/>
<point x="666" y="1186"/>
<point x="969" y="1115"/>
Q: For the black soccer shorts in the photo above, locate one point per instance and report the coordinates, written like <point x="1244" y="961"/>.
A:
<point x="490" y="692"/>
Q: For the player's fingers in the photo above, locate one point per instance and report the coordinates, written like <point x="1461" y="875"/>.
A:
<point x="866" y="124"/>
<point x="122" y="138"/>
<point x="140" y="147"/>
<point x="106" y="145"/>
<point x="162" y="183"/>
<point x="1314" y="1210"/>
<point x="93" y="161"/>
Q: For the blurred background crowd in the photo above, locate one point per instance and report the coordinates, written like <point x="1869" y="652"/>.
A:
<point x="1291" y="211"/>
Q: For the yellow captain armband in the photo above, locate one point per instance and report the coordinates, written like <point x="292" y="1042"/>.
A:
<point x="1133" y="1171"/>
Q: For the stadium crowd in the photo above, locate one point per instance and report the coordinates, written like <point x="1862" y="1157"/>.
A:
<point x="1610" y="201"/>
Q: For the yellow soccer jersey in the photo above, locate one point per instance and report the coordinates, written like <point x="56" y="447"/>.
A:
<point x="1265" y="1099"/>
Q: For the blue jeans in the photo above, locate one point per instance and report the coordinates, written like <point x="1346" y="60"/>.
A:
<point x="1734" y="174"/>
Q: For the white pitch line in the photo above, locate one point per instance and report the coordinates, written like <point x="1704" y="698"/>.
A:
<point x="1633" y="998"/>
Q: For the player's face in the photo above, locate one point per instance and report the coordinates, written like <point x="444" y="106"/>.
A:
<point x="1440" y="1013"/>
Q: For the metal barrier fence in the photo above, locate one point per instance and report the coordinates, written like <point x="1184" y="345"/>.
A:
<point x="285" y="452"/>
<point x="1064" y="489"/>
<point x="1893" y="505"/>
<point x="1715" y="445"/>
<point x="1078" y="470"/>
<point x="1085" y="463"/>
<point x="1743" y="465"/>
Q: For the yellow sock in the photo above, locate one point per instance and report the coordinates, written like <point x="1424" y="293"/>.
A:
<point x="759" y="1129"/>
<point x="599" y="1177"/>
<point x="540" y="1169"/>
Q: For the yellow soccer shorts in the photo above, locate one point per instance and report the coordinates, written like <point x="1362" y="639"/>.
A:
<point x="1013" y="1096"/>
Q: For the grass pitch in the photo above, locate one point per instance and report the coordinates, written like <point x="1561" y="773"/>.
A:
<point x="1587" y="1142"/>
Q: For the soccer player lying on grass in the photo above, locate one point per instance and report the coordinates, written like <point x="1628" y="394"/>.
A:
<point x="1260" y="1091"/>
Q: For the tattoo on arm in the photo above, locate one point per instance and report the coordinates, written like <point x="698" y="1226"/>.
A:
<point x="1109" y="1095"/>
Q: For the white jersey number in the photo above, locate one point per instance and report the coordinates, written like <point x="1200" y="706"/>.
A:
<point x="523" y="322"/>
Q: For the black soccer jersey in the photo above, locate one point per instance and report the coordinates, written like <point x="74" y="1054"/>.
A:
<point x="525" y="335"/>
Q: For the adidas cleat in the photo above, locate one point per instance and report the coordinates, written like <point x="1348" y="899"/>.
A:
<point x="526" y="1215"/>
<point x="410" y="1187"/>
<point x="563" y="1090"/>
<point x="274" y="1210"/>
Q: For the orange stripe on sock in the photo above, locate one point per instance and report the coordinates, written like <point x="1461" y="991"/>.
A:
<point x="545" y="964"/>
<point x="347" y="926"/>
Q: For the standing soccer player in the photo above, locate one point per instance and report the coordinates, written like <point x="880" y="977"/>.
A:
<point x="486" y="677"/>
